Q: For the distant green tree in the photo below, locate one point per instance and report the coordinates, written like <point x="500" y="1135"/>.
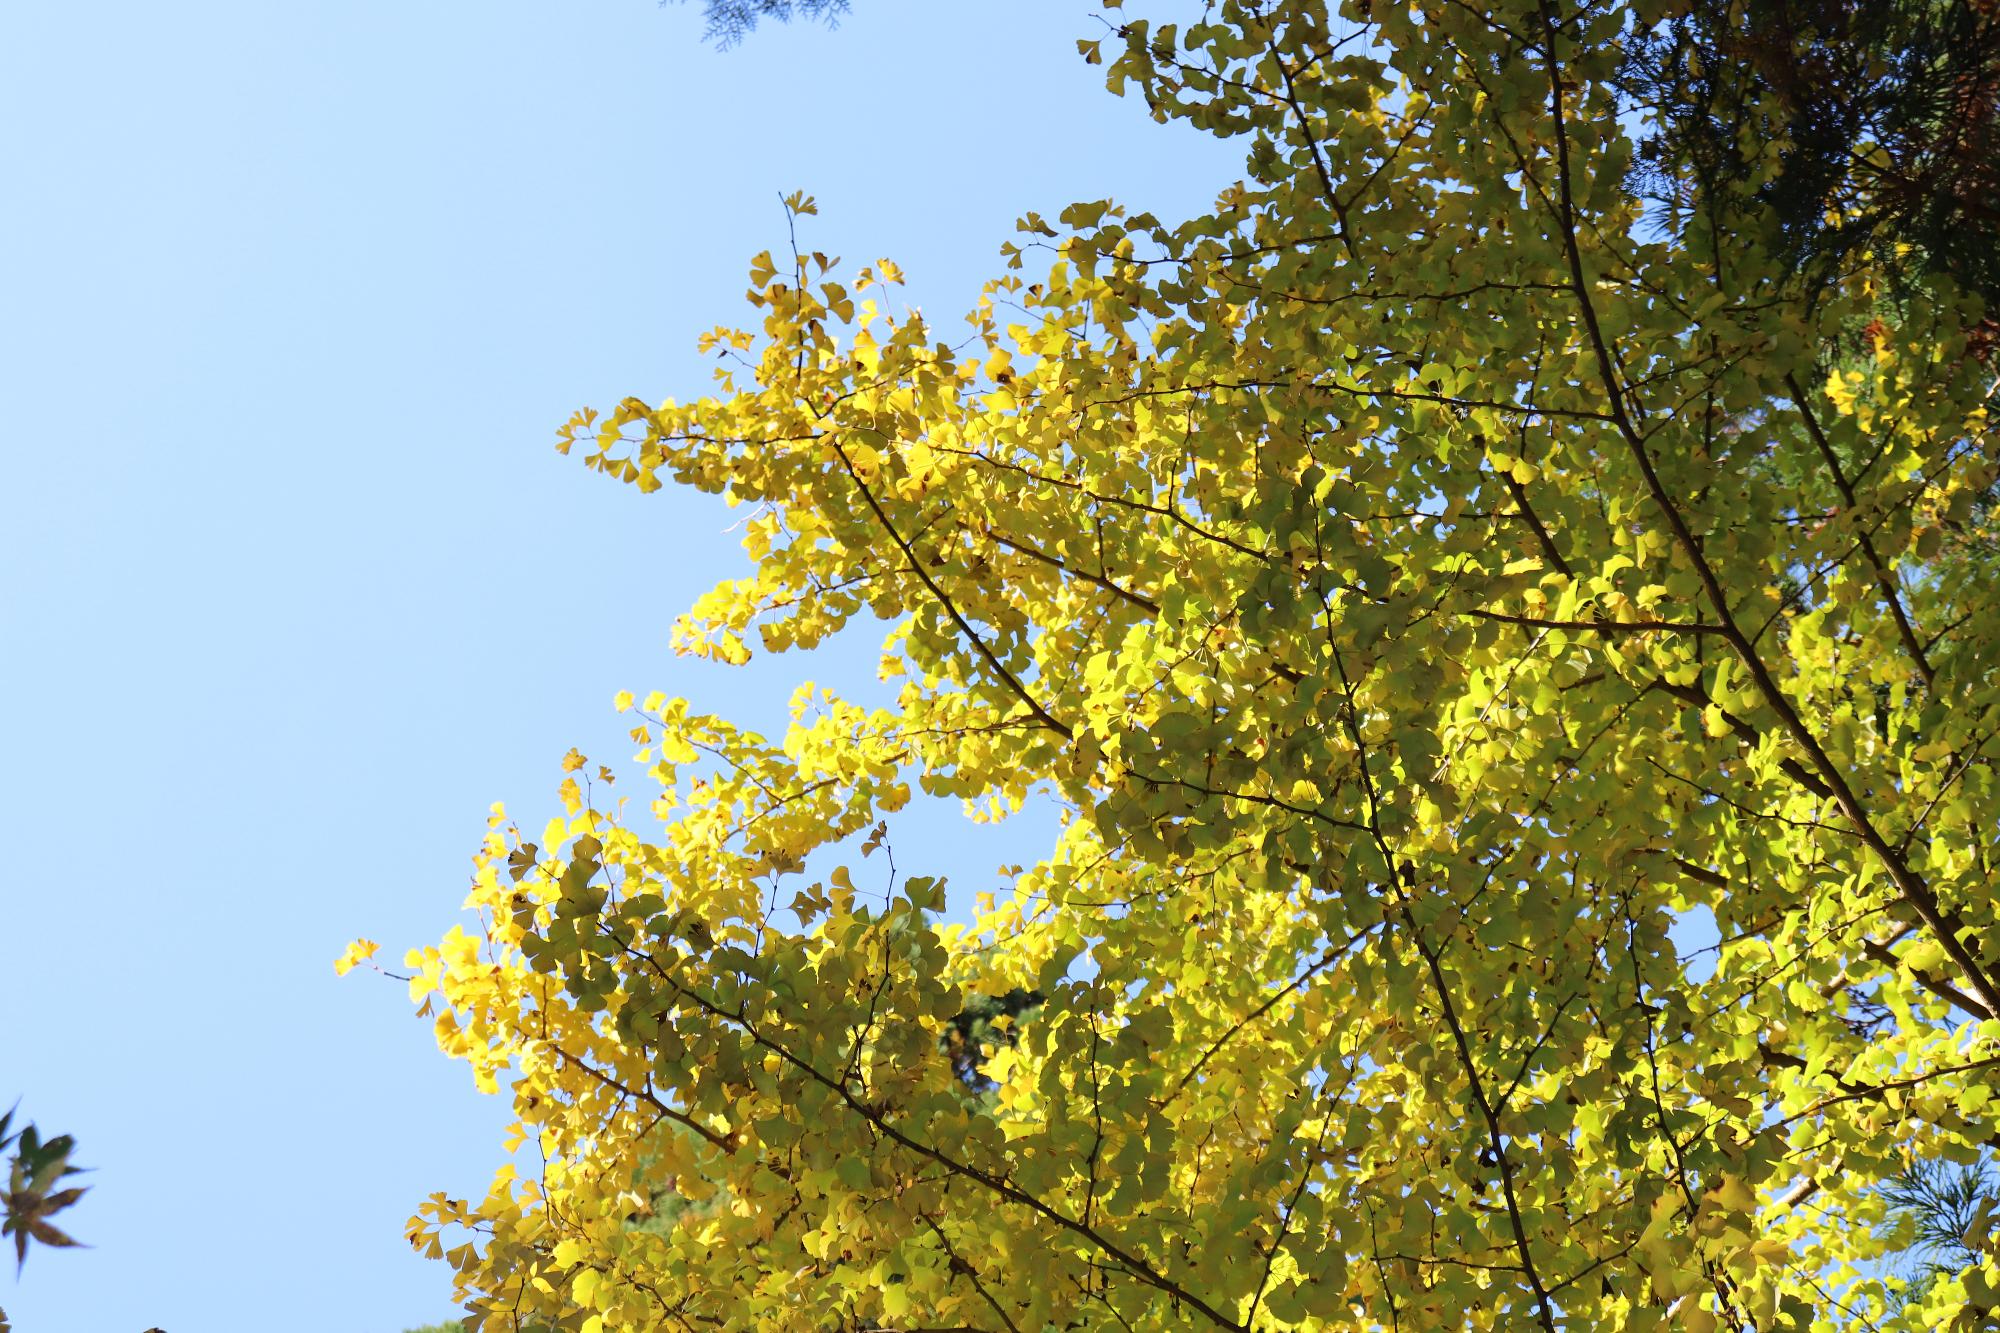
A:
<point x="730" y="21"/>
<point x="987" y="1024"/>
<point x="1940" y="1215"/>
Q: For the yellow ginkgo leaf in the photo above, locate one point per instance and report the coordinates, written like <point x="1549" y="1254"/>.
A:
<point x="356" y="953"/>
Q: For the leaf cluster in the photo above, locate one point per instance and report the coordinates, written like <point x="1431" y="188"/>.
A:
<point x="39" y="1166"/>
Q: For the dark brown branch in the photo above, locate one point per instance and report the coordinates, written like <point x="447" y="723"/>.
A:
<point x="1494" y="1137"/>
<point x="1534" y="522"/>
<point x="996" y="1185"/>
<point x="1144" y="603"/>
<point x="728" y="1143"/>
<point x="1744" y="731"/>
<point x="1598" y="626"/>
<point x="1350" y="721"/>
<point x="959" y="1265"/>
<point x="1251" y="798"/>
<point x="1936" y="985"/>
<point x="1320" y="964"/>
<point x="1891" y="591"/>
<point x="1020" y="691"/>
<point x="1857" y="1092"/>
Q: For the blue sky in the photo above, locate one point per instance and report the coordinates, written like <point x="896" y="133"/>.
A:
<point x="293" y="584"/>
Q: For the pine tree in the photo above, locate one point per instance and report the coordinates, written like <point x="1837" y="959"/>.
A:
<point x="730" y="21"/>
<point x="1840" y="125"/>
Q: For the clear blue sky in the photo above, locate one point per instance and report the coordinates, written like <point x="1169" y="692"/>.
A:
<point x="290" y="576"/>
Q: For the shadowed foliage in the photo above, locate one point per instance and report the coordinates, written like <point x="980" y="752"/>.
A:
<point x="1838" y="124"/>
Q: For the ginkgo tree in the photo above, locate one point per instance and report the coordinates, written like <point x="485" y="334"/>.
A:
<point x="1422" y="583"/>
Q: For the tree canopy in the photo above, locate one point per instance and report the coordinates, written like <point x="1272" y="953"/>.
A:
<point x="1425" y="585"/>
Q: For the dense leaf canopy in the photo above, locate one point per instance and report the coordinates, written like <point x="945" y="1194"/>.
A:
<point x="1423" y="584"/>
